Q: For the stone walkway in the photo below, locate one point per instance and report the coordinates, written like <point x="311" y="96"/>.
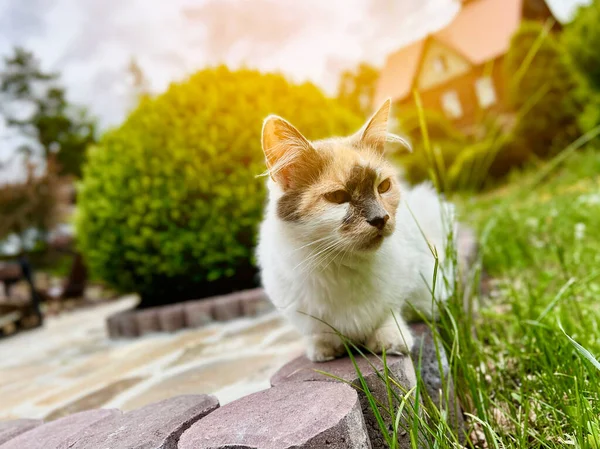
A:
<point x="70" y="365"/>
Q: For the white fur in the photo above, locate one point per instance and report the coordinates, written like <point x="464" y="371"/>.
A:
<point x="357" y="293"/>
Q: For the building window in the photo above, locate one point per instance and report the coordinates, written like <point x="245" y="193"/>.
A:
<point x="451" y="104"/>
<point x="440" y="65"/>
<point x="486" y="94"/>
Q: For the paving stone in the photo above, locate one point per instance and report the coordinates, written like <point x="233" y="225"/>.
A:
<point x="147" y="321"/>
<point x="62" y="433"/>
<point x="205" y="378"/>
<point x="255" y="302"/>
<point x="11" y="429"/>
<point x="113" y="326"/>
<point x="258" y="330"/>
<point x="95" y="399"/>
<point x="156" y="426"/>
<point x="198" y="313"/>
<point x="226" y="308"/>
<point x="171" y="318"/>
<point x="439" y="384"/>
<point x="128" y="325"/>
<point x="288" y="337"/>
<point x="295" y="415"/>
<point x="400" y="368"/>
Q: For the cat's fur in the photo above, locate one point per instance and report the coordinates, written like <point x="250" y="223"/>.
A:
<point x="349" y="260"/>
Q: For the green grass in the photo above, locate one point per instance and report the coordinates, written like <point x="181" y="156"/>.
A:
<point x="524" y="364"/>
<point x="522" y="374"/>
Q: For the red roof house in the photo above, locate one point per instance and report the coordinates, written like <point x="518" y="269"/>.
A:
<point x="458" y="69"/>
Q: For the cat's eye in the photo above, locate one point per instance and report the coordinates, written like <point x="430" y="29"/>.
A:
<point x="384" y="186"/>
<point x="338" y="196"/>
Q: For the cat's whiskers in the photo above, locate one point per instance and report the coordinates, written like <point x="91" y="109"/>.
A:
<point x="350" y="249"/>
<point x="312" y="243"/>
<point x="317" y="252"/>
<point x="323" y="256"/>
<point x="335" y="253"/>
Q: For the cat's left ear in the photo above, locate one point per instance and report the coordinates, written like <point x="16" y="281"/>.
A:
<point x="374" y="133"/>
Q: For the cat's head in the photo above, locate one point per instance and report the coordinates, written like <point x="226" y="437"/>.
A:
<point x="340" y="191"/>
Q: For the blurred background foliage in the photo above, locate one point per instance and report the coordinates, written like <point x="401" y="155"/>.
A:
<point x="51" y="135"/>
<point x="552" y="105"/>
<point x="169" y="202"/>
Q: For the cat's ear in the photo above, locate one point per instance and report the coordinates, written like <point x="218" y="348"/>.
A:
<point x="374" y="133"/>
<point x="282" y="144"/>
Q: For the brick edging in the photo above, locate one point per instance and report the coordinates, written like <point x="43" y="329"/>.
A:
<point x="189" y="314"/>
<point x="303" y="409"/>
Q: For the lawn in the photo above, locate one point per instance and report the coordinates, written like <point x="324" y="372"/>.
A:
<point x="523" y="363"/>
<point x="524" y="375"/>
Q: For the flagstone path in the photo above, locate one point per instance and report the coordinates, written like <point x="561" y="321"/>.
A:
<point x="71" y="365"/>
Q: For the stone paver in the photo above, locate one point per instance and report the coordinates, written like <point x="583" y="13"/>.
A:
<point x="147" y="321"/>
<point x="211" y="377"/>
<point x="227" y="308"/>
<point x="71" y="365"/>
<point x="171" y="318"/>
<point x="198" y="313"/>
<point x="156" y="426"/>
<point x="251" y="336"/>
<point x="400" y="369"/>
<point x="59" y="434"/>
<point x="95" y="399"/>
<point x="191" y="314"/>
<point x="11" y="429"/>
<point x="295" y="415"/>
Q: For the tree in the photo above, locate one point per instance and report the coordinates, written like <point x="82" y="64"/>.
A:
<point x="52" y="125"/>
<point x="356" y="89"/>
<point x="581" y="38"/>
<point x="545" y="90"/>
<point x="138" y="80"/>
<point x="29" y="204"/>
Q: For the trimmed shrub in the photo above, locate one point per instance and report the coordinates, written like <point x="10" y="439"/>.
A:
<point x="169" y="202"/>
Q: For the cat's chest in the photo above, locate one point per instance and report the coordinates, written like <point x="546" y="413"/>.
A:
<point x="347" y="285"/>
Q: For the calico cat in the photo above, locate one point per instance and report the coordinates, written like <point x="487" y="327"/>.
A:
<point x="344" y="244"/>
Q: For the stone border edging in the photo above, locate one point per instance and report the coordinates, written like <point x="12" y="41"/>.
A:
<point x="189" y="314"/>
<point x="12" y="429"/>
<point x="302" y="409"/>
<point x="400" y="369"/>
<point x="155" y="426"/>
<point x="299" y="416"/>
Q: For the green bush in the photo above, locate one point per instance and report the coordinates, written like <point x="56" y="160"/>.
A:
<point x="581" y="38"/>
<point x="169" y="202"/>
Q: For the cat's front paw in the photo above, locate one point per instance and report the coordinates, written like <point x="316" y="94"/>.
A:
<point x="390" y="339"/>
<point x="324" y="348"/>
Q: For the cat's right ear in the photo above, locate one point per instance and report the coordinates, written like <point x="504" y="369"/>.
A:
<point x="282" y="145"/>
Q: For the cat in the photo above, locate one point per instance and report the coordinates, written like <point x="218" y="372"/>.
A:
<point x="344" y="244"/>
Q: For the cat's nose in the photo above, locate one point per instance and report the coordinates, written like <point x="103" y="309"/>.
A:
<point x="379" y="221"/>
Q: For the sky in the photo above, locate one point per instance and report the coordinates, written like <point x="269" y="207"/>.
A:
<point x="91" y="42"/>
